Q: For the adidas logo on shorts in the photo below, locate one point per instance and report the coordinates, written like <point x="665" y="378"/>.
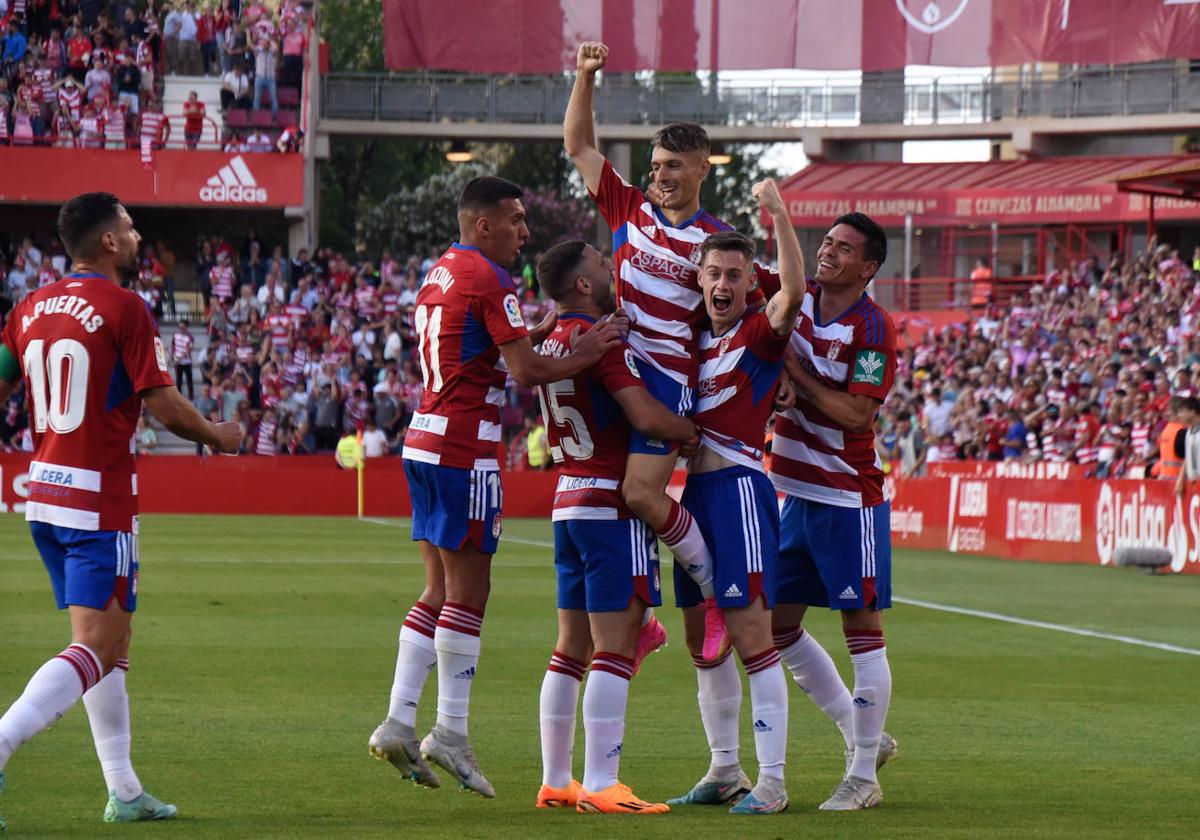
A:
<point x="733" y="591"/>
<point x="848" y="594"/>
<point x="468" y="674"/>
<point x="863" y="703"/>
<point x="761" y="725"/>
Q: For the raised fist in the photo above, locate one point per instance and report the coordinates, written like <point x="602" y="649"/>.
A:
<point x="591" y="57"/>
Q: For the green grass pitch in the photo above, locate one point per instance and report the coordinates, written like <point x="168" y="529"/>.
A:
<point x="263" y="654"/>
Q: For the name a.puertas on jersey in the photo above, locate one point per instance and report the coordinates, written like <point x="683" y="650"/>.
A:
<point x="72" y="305"/>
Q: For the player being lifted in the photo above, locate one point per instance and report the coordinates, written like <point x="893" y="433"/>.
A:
<point x="835" y="546"/>
<point x="90" y="356"/>
<point x="606" y="559"/>
<point x="729" y="495"/>
<point x="470" y="331"/>
<point x="656" y="251"/>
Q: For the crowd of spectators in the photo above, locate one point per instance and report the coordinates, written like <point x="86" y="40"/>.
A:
<point x="1085" y="367"/>
<point x="89" y="73"/>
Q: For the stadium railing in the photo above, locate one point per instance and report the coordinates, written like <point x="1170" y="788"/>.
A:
<point x="938" y="293"/>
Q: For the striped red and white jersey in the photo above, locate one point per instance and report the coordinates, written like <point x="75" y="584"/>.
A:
<point x="1139" y="439"/>
<point x="88" y="348"/>
<point x="586" y="428"/>
<point x="278" y="324"/>
<point x="152" y="128"/>
<point x="812" y="457"/>
<point x="181" y="348"/>
<point x="1087" y="432"/>
<point x="264" y="443"/>
<point x="298" y="313"/>
<point x="221" y="278"/>
<point x="466" y="309"/>
<point x="739" y="372"/>
<point x="658" y="275"/>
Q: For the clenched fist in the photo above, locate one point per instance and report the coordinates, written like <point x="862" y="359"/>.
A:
<point x="767" y="194"/>
<point x="591" y="57"/>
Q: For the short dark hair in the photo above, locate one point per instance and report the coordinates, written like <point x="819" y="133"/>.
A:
<point x="682" y="137"/>
<point x="83" y="218"/>
<point x="487" y="191"/>
<point x="557" y="268"/>
<point x="1191" y="404"/>
<point x="728" y="240"/>
<point x="875" y="248"/>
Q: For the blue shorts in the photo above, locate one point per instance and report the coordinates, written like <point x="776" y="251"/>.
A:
<point x="738" y="514"/>
<point x="89" y="568"/>
<point x="678" y="398"/>
<point x="452" y="505"/>
<point x="835" y="557"/>
<point x="603" y="563"/>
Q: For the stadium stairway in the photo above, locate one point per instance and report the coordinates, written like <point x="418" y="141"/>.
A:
<point x="168" y="442"/>
<point x="208" y="89"/>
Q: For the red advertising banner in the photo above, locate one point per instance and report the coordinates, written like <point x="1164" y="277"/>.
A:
<point x="541" y="36"/>
<point x="1063" y="521"/>
<point x="178" y="178"/>
<point x="307" y="486"/>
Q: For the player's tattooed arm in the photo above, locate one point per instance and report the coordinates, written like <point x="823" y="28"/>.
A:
<point x="854" y="412"/>
<point x="579" y="128"/>
<point x="784" y="304"/>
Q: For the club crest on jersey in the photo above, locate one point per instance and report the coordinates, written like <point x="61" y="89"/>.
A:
<point x="835" y="347"/>
<point x="696" y="251"/>
<point x="632" y="365"/>
<point x="513" y="310"/>
<point x="868" y="367"/>
<point x="723" y="346"/>
<point x="935" y="15"/>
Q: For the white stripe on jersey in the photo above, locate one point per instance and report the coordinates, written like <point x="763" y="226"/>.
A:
<point x="64" y="517"/>
<point x="816" y="492"/>
<point x="495" y="396"/>
<point x="411" y="453"/>
<point x="642" y="318"/>
<point x="798" y="450"/>
<point x="489" y="430"/>
<point x="568" y="483"/>
<point x="643" y="346"/>
<point x="432" y="423"/>
<point x="830" y="332"/>
<point x="831" y="437"/>
<point x="713" y="400"/>
<point x="722" y="364"/>
<point x="76" y="478"/>
<point x="563" y="514"/>
<point x="671" y="292"/>
<point x="687" y="234"/>
<point x="837" y="371"/>
<point x="487" y="464"/>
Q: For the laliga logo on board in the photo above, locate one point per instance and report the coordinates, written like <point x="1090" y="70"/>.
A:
<point x="233" y="183"/>
<point x="932" y="19"/>
<point x="1130" y="521"/>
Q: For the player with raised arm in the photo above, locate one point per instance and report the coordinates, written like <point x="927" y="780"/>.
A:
<point x="90" y="356"/>
<point x="729" y="495"/>
<point x="470" y="332"/>
<point x="656" y="251"/>
<point x="606" y="559"/>
<point x="835" y="546"/>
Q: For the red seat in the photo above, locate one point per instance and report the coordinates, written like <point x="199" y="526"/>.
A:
<point x="289" y="96"/>
<point x="237" y="118"/>
<point x="262" y="119"/>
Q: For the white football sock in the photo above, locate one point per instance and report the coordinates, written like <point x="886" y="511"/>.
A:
<point x="872" y="692"/>
<point x="49" y="694"/>
<point x="813" y="670"/>
<point x="107" y="707"/>
<point x="556" y="711"/>
<point x="604" y="702"/>
<point x="415" y="661"/>
<point x="720" y="697"/>
<point x="682" y="535"/>
<point x="457" y="644"/>
<point x="768" y="703"/>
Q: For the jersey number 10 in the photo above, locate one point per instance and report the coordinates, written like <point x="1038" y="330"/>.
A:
<point x="58" y="380"/>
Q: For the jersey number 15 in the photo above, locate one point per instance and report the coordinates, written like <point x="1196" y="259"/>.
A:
<point x="577" y="441"/>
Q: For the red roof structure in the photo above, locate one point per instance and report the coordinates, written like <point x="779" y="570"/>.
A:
<point x="1061" y="190"/>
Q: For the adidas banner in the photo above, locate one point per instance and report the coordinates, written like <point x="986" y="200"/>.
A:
<point x="167" y="178"/>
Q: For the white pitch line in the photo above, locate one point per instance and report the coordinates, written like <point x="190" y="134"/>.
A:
<point x="1045" y="625"/>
